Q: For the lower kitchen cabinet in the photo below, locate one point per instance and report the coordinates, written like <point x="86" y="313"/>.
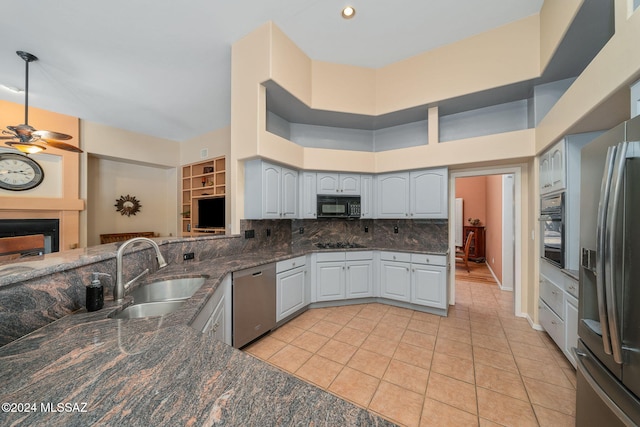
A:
<point x="359" y="278"/>
<point x="395" y="280"/>
<point x="291" y="287"/>
<point x="341" y="275"/>
<point x="215" y="317"/>
<point x="330" y="281"/>
<point x="429" y="285"/>
<point x="416" y="278"/>
<point x="571" y="327"/>
<point x="558" y="308"/>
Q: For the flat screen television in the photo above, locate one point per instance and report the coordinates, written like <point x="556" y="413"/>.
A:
<point x="211" y="213"/>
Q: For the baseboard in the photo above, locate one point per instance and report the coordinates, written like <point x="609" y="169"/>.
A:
<point x="495" y="277"/>
<point x="534" y="325"/>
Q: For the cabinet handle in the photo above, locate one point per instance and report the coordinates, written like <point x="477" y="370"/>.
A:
<point x="407" y="268"/>
<point x="411" y="214"/>
<point x="413" y="270"/>
<point x="343" y="267"/>
<point x="406" y="214"/>
<point x="293" y="264"/>
<point x="394" y="257"/>
<point x="554" y="292"/>
<point x="428" y="261"/>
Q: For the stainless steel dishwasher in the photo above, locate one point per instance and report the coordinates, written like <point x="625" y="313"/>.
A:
<point x="254" y="303"/>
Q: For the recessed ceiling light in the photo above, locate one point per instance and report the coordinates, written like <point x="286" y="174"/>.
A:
<point x="348" y="12"/>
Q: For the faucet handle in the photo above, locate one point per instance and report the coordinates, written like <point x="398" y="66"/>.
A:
<point x="96" y="276"/>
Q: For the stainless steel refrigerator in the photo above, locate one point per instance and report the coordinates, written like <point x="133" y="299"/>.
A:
<point x="608" y="352"/>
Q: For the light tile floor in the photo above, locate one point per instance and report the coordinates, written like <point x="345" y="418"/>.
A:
<point x="480" y="366"/>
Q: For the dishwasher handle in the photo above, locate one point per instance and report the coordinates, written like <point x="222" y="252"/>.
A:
<point x="259" y="273"/>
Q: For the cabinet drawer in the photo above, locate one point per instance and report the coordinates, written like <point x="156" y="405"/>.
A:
<point x="571" y="286"/>
<point x="290" y="263"/>
<point x="552" y="295"/>
<point x="429" y="259"/>
<point x="359" y="255"/>
<point x="330" y="256"/>
<point x="551" y="323"/>
<point x="395" y="256"/>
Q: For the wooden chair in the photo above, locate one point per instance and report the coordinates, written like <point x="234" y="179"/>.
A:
<point x="19" y="246"/>
<point x="462" y="254"/>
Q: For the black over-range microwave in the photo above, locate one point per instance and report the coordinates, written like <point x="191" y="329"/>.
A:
<point x="338" y="206"/>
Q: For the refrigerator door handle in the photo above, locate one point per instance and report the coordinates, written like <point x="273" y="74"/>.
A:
<point x="600" y="247"/>
<point x="612" y="250"/>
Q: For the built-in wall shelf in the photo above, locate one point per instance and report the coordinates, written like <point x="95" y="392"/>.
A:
<point x="201" y="180"/>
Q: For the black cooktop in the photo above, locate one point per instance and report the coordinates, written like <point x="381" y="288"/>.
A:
<point x="338" y="245"/>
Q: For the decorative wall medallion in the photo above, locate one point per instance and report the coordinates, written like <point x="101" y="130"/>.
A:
<point x="127" y="205"/>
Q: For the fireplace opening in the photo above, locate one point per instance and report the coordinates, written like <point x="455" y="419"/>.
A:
<point x="25" y="227"/>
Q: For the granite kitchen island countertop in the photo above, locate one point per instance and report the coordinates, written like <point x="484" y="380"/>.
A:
<point x="87" y="369"/>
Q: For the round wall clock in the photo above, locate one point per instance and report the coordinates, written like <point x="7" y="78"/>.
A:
<point x="19" y="172"/>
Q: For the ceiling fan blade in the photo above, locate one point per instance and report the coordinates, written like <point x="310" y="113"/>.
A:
<point x="47" y="134"/>
<point x="62" y="146"/>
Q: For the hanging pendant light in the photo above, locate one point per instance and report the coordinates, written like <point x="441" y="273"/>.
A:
<point x="26" y="138"/>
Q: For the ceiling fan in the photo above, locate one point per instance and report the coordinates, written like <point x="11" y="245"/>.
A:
<point x="24" y="137"/>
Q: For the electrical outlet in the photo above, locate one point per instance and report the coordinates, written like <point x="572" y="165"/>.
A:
<point x="366" y="229"/>
<point x="301" y="230"/>
<point x="188" y="256"/>
<point x="395" y="229"/>
<point x="268" y="232"/>
<point x="249" y="234"/>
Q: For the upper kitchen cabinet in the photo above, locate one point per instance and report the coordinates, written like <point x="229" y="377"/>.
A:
<point x="415" y="194"/>
<point x="308" y="199"/>
<point x="338" y="183"/>
<point x="560" y="171"/>
<point x="366" y="196"/>
<point x="428" y="192"/>
<point x="552" y="169"/>
<point x="271" y="191"/>
<point x="392" y="195"/>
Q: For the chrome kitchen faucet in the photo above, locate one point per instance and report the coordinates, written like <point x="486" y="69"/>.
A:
<point x="120" y="287"/>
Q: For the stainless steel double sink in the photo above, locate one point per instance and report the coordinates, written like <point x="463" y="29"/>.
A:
<point x="161" y="297"/>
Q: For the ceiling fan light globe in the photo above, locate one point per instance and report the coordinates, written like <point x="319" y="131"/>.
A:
<point x="26" y="148"/>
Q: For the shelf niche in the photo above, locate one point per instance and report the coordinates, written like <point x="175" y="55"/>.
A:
<point x="201" y="180"/>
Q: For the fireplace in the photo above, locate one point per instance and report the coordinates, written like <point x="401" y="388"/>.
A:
<point x="24" y="227"/>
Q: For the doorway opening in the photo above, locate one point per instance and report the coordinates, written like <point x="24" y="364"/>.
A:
<point x="491" y="209"/>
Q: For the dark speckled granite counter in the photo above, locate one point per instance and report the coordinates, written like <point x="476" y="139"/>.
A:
<point x="138" y="373"/>
<point x="160" y="371"/>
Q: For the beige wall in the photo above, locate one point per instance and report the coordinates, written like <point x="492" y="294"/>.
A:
<point x="555" y="17"/>
<point x="493" y="230"/>
<point x="120" y="159"/>
<point x="153" y="187"/>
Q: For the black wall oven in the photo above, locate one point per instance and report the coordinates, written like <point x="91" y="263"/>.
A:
<point x="552" y="229"/>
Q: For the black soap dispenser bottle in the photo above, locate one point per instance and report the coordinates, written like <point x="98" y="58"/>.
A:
<point x="95" y="292"/>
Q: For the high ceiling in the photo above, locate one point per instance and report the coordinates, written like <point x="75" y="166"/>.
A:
<point x="162" y="67"/>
